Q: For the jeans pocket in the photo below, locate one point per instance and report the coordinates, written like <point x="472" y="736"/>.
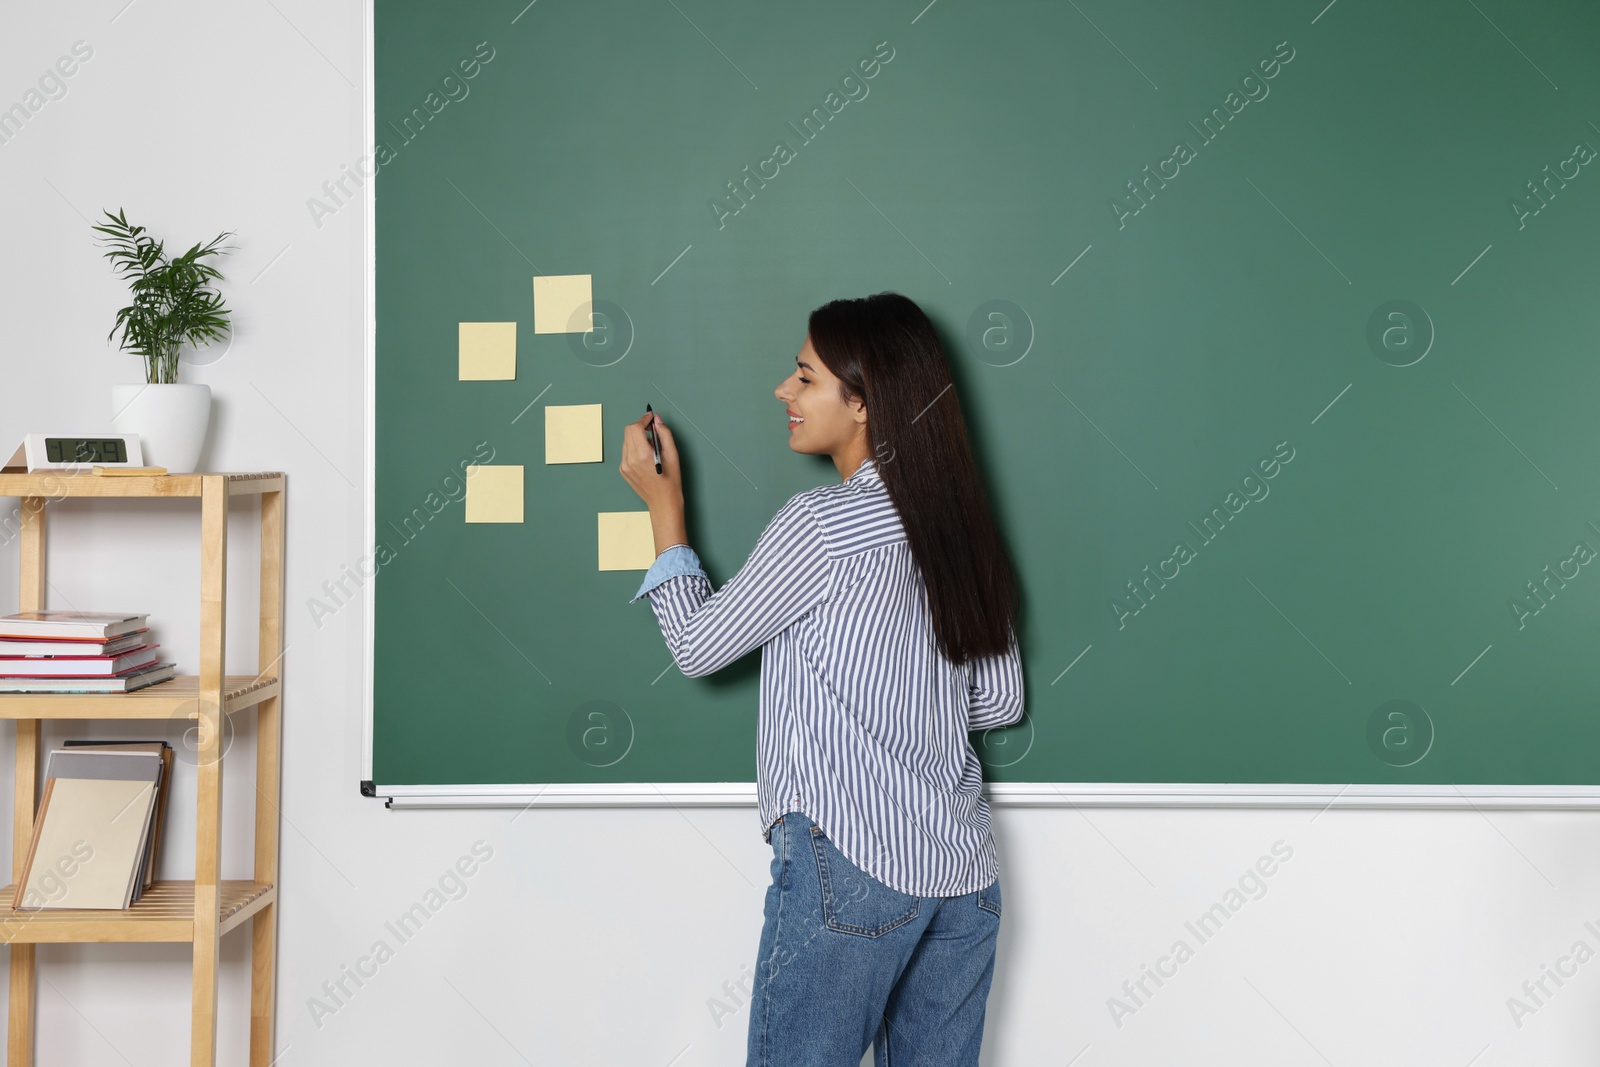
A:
<point x="989" y="897"/>
<point x="854" y="902"/>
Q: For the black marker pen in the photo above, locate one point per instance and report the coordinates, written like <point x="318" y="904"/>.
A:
<point x="655" y="442"/>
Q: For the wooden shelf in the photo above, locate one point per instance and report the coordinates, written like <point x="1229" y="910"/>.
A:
<point x="164" y="700"/>
<point x="199" y="911"/>
<point x="165" y="912"/>
<point x="55" y="485"/>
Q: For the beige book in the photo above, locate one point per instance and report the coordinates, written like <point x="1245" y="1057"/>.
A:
<point x="86" y="844"/>
<point x="158" y="815"/>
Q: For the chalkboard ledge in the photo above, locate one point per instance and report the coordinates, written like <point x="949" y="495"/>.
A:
<point x="1015" y="794"/>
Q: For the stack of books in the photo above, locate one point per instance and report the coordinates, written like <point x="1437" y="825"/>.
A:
<point x="98" y="830"/>
<point x="78" y="652"/>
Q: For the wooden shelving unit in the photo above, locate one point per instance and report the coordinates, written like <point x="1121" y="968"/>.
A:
<point x="204" y="909"/>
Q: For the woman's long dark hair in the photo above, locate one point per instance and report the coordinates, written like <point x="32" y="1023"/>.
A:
<point x="884" y="352"/>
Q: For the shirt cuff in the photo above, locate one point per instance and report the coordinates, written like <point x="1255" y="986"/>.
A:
<point x="679" y="559"/>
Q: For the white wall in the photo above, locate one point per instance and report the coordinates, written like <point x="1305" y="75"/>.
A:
<point x="598" y="936"/>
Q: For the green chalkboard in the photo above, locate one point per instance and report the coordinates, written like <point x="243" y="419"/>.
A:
<point x="1275" y="327"/>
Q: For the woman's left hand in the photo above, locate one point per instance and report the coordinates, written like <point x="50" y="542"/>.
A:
<point x="661" y="492"/>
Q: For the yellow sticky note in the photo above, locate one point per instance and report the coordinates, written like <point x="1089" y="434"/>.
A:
<point x="494" y="493"/>
<point x="486" y="351"/>
<point x="562" y="304"/>
<point x="627" y="542"/>
<point x="572" y="434"/>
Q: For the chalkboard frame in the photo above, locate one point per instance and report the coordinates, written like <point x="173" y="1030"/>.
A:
<point x="742" y="794"/>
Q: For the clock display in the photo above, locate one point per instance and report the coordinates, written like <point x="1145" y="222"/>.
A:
<point x="85" y="450"/>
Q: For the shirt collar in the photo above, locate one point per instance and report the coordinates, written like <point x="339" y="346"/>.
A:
<point x="868" y="470"/>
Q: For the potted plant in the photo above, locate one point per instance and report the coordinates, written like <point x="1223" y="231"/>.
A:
<point x="173" y="304"/>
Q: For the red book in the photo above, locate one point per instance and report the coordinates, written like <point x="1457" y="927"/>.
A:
<point x="69" y="646"/>
<point x="77" y="666"/>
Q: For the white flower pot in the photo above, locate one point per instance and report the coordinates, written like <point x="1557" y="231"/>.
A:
<point x="171" y="421"/>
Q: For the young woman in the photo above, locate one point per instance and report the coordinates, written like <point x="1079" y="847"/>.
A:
<point x="886" y="609"/>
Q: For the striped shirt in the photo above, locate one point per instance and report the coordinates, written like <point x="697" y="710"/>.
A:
<point x="863" y="724"/>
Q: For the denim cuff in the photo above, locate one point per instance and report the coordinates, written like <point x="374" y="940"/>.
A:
<point x="679" y="559"/>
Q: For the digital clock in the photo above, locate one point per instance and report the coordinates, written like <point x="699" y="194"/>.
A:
<point x="72" y="451"/>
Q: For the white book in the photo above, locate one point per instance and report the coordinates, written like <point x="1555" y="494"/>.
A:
<point x="131" y="682"/>
<point x="98" y="625"/>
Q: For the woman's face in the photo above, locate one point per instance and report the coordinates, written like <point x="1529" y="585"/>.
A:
<point x="827" y="425"/>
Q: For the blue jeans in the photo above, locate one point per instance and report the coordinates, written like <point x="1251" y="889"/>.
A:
<point x="846" y="962"/>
